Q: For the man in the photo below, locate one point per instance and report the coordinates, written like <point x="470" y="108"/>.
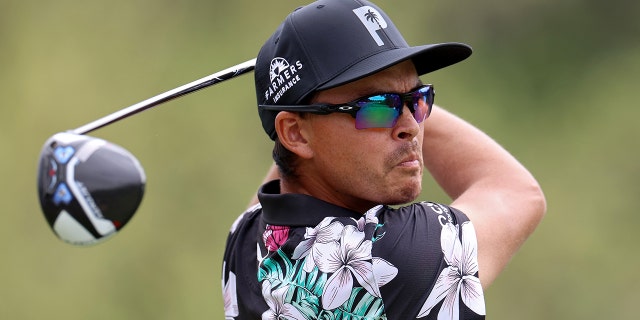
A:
<point x="339" y="92"/>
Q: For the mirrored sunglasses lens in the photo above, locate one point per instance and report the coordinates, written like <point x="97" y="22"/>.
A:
<point x="377" y="112"/>
<point x="422" y="102"/>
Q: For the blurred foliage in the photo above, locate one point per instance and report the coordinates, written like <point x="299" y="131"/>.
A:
<point x="553" y="81"/>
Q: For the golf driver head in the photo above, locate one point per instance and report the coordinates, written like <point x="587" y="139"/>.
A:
<point x="88" y="188"/>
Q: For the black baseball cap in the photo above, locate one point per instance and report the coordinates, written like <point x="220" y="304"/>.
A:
<point x="332" y="42"/>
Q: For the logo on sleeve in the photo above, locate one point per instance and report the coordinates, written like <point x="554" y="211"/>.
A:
<point x="444" y="216"/>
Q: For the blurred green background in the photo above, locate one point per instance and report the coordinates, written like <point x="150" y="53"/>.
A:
<point x="555" y="82"/>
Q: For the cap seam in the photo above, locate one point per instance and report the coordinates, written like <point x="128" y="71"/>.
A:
<point x="306" y="56"/>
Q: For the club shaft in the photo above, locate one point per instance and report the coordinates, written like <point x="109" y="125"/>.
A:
<point x="196" y="85"/>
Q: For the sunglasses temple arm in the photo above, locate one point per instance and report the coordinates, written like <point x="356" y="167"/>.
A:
<point x="312" y="108"/>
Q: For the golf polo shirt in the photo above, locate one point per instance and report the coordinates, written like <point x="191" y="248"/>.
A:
<point x="293" y="256"/>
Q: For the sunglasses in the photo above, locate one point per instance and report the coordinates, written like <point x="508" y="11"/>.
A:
<point x="380" y="110"/>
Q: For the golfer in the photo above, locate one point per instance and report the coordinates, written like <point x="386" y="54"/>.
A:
<point x="336" y="232"/>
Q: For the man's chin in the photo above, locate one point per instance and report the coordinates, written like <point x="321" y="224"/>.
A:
<point x="406" y="195"/>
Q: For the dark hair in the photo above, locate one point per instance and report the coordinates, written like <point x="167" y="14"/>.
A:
<point x="285" y="160"/>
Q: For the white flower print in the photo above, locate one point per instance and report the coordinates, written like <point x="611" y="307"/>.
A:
<point x="230" y="296"/>
<point x="324" y="232"/>
<point x="372" y="214"/>
<point x="258" y="256"/>
<point x="458" y="279"/>
<point x="278" y="309"/>
<point x="349" y="258"/>
<point x="369" y="217"/>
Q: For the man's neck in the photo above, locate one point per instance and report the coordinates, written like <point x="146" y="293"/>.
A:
<point x="298" y="186"/>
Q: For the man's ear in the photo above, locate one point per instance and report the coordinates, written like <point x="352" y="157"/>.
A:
<point x="292" y="132"/>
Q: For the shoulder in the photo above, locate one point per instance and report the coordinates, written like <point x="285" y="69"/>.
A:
<point x="239" y="288"/>
<point x="246" y="217"/>
<point x="241" y="241"/>
<point x="423" y="230"/>
<point x="428" y="243"/>
<point x="419" y="230"/>
<point x="428" y="212"/>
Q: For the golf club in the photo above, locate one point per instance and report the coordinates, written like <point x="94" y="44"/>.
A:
<point x="89" y="188"/>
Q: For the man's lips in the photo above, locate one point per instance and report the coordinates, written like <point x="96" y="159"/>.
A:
<point x="411" y="161"/>
<point x="408" y="156"/>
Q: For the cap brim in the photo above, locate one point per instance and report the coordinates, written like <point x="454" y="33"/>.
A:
<point x="427" y="58"/>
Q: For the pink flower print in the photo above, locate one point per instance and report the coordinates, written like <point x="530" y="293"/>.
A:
<point x="274" y="237"/>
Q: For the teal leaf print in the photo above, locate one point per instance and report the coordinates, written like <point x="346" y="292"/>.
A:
<point x="331" y="274"/>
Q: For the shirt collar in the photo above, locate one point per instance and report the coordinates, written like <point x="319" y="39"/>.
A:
<point x="296" y="210"/>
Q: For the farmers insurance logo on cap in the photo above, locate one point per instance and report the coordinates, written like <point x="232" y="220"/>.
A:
<point x="283" y="76"/>
<point x="372" y="20"/>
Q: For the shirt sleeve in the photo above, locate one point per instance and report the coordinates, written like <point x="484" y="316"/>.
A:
<point x="434" y="247"/>
<point x="240" y="291"/>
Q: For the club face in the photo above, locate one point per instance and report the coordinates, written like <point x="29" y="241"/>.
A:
<point x="88" y="188"/>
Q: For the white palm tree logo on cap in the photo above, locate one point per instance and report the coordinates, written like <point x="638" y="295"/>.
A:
<point x="371" y="16"/>
<point x="372" y="20"/>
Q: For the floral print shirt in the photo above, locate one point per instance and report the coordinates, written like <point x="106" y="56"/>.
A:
<point x="296" y="257"/>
